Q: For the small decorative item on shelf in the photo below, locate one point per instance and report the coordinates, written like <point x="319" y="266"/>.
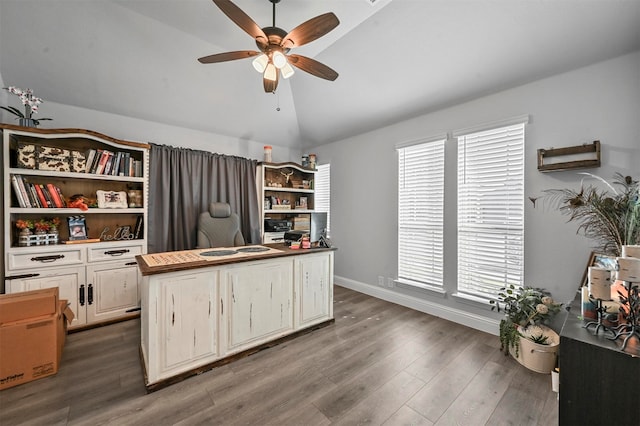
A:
<point x="78" y="201"/>
<point x="267" y="153"/>
<point x="77" y="228"/>
<point x="30" y="103"/>
<point x="41" y="232"/>
<point x="135" y="198"/>
<point x="111" y="199"/>
<point x="526" y="309"/>
<point x="312" y="161"/>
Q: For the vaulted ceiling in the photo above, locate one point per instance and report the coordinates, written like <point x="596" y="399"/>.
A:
<point x="396" y="58"/>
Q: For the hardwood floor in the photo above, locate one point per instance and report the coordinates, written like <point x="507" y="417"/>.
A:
<point x="379" y="364"/>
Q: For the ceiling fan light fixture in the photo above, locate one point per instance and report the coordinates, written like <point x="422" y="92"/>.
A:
<point x="270" y="73"/>
<point x="260" y="63"/>
<point x="278" y="59"/>
<point x="287" y="71"/>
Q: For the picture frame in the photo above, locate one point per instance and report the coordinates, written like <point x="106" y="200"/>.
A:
<point x="112" y="199"/>
<point x="77" y="228"/>
<point x="599" y="260"/>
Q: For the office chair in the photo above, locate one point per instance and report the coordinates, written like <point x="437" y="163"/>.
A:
<point x="219" y="227"/>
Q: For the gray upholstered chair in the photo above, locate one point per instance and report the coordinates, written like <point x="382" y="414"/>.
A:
<point x="219" y="227"/>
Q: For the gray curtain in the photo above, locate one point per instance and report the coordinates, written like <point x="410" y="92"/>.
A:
<point x="182" y="183"/>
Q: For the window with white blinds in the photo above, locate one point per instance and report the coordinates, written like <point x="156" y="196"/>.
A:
<point x="490" y="210"/>
<point x="421" y="214"/>
<point x="322" y="192"/>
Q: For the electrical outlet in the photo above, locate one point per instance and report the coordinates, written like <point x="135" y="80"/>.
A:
<point x="390" y="282"/>
<point x="380" y="280"/>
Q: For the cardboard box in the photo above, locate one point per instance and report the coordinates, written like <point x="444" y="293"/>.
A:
<point x="28" y="304"/>
<point x="31" y="348"/>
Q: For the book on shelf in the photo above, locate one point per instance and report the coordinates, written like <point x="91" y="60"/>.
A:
<point x="18" y="191"/>
<point x="86" y="240"/>
<point x="138" y="231"/>
<point x="90" y="155"/>
<point x="55" y="197"/>
<point x="41" y="197"/>
<point x="47" y="196"/>
<point x="115" y="170"/>
<point x="33" y="196"/>
<point x="62" y="199"/>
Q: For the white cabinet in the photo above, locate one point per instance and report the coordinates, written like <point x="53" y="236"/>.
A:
<point x="112" y="290"/>
<point x="42" y="170"/>
<point x="181" y="313"/>
<point x="70" y="282"/>
<point x="314" y="288"/>
<point x="192" y="319"/>
<point x="259" y="297"/>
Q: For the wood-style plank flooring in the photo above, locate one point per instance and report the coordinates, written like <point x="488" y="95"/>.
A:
<point x="379" y="364"/>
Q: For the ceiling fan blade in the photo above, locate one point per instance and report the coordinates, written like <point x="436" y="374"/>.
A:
<point x="310" y="30"/>
<point x="270" y="86"/>
<point x="313" y="67"/>
<point x="228" y="56"/>
<point x="242" y="20"/>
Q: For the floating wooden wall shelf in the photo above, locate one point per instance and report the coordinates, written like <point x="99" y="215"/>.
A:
<point x="570" y="150"/>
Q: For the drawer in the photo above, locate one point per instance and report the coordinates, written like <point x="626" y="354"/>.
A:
<point x="45" y="258"/>
<point x="114" y="252"/>
<point x="273" y="237"/>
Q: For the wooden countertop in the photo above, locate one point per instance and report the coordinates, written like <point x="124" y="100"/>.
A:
<point x="160" y="263"/>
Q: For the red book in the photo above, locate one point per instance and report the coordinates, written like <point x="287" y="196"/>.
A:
<point x="41" y="196"/>
<point x="57" y="202"/>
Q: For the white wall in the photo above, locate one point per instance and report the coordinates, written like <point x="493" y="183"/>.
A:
<point x="598" y="102"/>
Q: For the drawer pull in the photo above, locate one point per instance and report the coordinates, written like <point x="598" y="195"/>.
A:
<point x="81" y="295"/>
<point x="130" y="263"/>
<point x="51" y="258"/>
<point x="21" y="277"/>
<point x="116" y="252"/>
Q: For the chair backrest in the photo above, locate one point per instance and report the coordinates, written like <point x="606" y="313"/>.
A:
<point x="219" y="227"/>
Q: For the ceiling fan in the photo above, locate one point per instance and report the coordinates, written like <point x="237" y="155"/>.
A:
<point x="275" y="43"/>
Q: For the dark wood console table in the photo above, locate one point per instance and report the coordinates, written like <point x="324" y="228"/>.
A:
<point x="599" y="383"/>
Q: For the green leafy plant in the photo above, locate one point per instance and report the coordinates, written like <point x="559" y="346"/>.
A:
<point x="523" y="307"/>
<point x="610" y="217"/>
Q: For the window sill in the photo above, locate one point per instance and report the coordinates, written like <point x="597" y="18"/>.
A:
<point x="470" y="300"/>
<point x="423" y="288"/>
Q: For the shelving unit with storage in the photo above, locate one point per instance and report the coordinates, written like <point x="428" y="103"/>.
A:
<point x="98" y="275"/>
<point x="286" y="192"/>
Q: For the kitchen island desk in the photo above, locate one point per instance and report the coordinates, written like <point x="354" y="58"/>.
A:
<point x="206" y="307"/>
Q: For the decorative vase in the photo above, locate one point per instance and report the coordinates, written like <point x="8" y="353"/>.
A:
<point x="41" y="237"/>
<point x="27" y="122"/>
<point x="23" y="237"/>
<point x="53" y="235"/>
<point x="537" y="357"/>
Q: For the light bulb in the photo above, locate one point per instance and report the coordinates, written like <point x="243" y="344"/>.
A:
<point x="278" y="59"/>
<point x="287" y="71"/>
<point x="260" y="63"/>
<point x="270" y="73"/>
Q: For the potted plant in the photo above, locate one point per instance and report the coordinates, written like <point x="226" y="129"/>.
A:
<point x="611" y="217"/>
<point x="527" y="310"/>
<point x="30" y="103"/>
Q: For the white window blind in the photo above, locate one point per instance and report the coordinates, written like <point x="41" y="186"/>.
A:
<point x="490" y="210"/>
<point x="322" y="192"/>
<point x="421" y="214"/>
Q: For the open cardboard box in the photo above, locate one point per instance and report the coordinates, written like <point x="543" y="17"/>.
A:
<point x="31" y="346"/>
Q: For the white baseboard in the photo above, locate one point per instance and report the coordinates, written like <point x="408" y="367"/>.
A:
<point x="488" y="325"/>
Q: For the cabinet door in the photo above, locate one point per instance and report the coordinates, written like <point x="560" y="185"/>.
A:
<point x="112" y="290"/>
<point x="70" y="282"/>
<point x="260" y="300"/>
<point x="187" y="321"/>
<point x="315" y="288"/>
